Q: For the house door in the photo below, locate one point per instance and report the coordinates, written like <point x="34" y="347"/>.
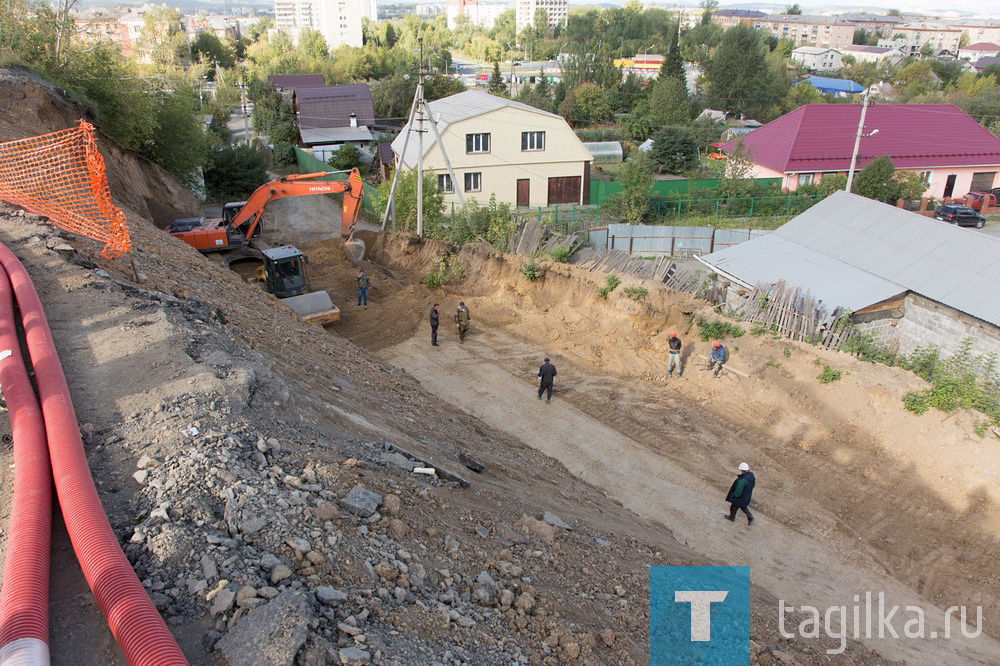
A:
<point x="949" y="185"/>
<point x="523" y="192"/>
<point x="564" y="190"/>
<point x="982" y="181"/>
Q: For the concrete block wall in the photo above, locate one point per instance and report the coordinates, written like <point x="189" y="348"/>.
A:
<point x="926" y="322"/>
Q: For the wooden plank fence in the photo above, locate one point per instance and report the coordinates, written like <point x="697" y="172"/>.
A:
<point x="794" y="313"/>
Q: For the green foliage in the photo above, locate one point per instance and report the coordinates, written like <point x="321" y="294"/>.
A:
<point x="668" y="102"/>
<point x="787" y="352"/>
<point x="531" y="270"/>
<point x="916" y="402"/>
<point x="981" y="428"/>
<point x="716" y="330"/>
<point x="632" y="203"/>
<point x="757" y="330"/>
<point x="283" y="155"/>
<point x="444" y="270"/>
<point x="345" y="158"/>
<point x="829" y="375"/>
<point x="490" y="223"/>
<point x="496" y="86"/>
<point x="232" y="174"/>
<point x="880" y="181"/>
<point x="209" y="49"/>
<point x="674" y="150"/>
<point x="611" y="282"/>
<point x="773" y="364"/>
<point x="178" y="141"/>
<point x="561" y="255"/>
<point x="586" y="104"/>
<point x="636" y="293"/>
<point x="406" y="201"/>
<point x="738" y="76"/>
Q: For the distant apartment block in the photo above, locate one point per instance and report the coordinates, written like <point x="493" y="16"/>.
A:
<point x="728" y="18"/>
<point x="478" y="13"/>
<point x="817" y="58"/>
<point x="339" y="21"/>
<point x="558" y="11"/>
<point x="910" y="38"/>
<point x="878" y="23"/>
<point x="978" y="30"/>
<point x="802" y="30"/>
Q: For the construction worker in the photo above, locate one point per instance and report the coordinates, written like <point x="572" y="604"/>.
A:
<point x="364" y="283"/>
<point x="545" y="375"/>
<point x="435" y="320"/>
<point x="717" y="358"/>
<point x="462" y="320"/>
<point x="740" y="493"/>
<point x="674" y="355"/>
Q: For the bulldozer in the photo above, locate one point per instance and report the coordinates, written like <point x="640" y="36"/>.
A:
<point x="283" y="269"/>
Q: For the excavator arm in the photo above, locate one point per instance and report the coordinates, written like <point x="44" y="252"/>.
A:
<point x="297" y="185"/>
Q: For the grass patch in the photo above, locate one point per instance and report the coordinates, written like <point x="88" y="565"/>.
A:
<point x="787" y="352"/>
<point x="531" y="270"/>
<point x="716" y="330"/>
<point x="636" y="293"/>
<point x="829" y="375"/>
<point x="561" y="255"/>
<point x="611" y="282"/>
<point x="773" y="364"/>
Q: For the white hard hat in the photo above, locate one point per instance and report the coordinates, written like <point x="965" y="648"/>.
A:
<point x="744" y="467"/>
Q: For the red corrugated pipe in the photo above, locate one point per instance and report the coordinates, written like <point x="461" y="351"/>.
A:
<point x="134" y="621"/>
<point x="24" y="599"/>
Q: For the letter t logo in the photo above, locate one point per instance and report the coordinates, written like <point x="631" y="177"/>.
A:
<point x="701" y="610"/>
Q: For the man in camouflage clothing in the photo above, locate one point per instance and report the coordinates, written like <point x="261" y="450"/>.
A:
<point x="462" y="320"/>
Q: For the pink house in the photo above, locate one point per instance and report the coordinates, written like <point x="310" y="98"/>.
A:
<point x="952" y="152"/>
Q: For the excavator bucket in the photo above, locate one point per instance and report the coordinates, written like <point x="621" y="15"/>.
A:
<point x="354" y="248"/>
<point x="315" y="307"/>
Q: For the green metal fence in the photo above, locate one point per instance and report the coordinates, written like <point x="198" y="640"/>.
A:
<point x="791" y="204"/>
<point x="309" y="164"/>
<point x="600" y="190"/>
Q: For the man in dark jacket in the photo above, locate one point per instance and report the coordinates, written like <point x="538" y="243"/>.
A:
<point x="545" y="375"/>
<point x="740" y="493"/>
<point x="674" y="355"/>
<point x="435" y="320"/>
<point x="364" y="283"/>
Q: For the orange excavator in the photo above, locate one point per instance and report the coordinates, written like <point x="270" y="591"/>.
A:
<point x="283" y="272"/>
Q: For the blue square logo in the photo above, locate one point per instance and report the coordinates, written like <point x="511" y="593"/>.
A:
<point x="699" y="615"/>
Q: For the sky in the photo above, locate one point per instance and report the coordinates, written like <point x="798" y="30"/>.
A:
<point x="971" y="7"/>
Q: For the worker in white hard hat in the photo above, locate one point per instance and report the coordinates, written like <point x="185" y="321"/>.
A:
<point x="740" y="493"/>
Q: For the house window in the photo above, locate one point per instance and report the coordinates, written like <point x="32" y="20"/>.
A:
<point x="925" y="177"/>
<point x="444" y="183"/>
<point x="532" y="141"/>
<point x="805" y="179"/>
<point x="477" y="143"/>
<point x="473" y="182"/>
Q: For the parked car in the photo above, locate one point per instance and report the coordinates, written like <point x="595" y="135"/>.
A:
<point x="980" y="199"/>
<point x="963" y="216"/>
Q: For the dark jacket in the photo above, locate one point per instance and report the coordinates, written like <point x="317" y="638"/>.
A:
<point x="675" y="345"/>
<point x="435" y="318"/>
<point x="719" y="355"/>
<point x="742" y="489"/>
<point x="547" y="372"/>
<point x="363" y="281"/>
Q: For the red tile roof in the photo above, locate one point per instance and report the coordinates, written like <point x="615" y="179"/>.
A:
<point x="820" y="137"/>
<point x="981" y="46"/>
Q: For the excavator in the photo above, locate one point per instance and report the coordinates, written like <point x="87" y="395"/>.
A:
<point x="283" y="272"/>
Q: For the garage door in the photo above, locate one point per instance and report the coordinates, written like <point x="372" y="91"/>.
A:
<point x="982" y="181"/>
<point x="564" y="190"/>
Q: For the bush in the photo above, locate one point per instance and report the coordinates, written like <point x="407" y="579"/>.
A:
<point x="757" y="330"/>
<point x="611" y="282"/>
<point x="716" y="330"/>
<point x="561" y="255"/>
<point x="345" y="158"/>
<point x="636" y="293"/>
<point x="829" y="375"/>
<point x="283" y="155"/>
<point x="916" y="402"/>
<point x="445" y="269"/>
<point x="232" y="174"/>
<point x="531" y="270"/>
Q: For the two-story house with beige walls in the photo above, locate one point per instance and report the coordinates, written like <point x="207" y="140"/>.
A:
<point x="522" y="155"/>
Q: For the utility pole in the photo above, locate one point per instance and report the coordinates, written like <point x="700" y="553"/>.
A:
<point x="857" y="141"/>
<point x="243" y="100"/>
<point x="420" y="142"/>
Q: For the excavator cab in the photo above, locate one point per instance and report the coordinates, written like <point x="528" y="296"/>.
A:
<point x="285" y="271"/>
<point x="230" y="210"/>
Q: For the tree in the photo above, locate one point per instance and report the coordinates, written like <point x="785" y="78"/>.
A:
<point x="232" y="174"/>
<point x="160" y="26"/>
<point x="736" y="74"/>
<point x="406" y="201"/>
<point x="209" y="49"/>
<point x="674" y="150"/>
<point x="800" y="95"/>
<point x="737" y="172"/>
<point x="497" y="86"/>
<point x="707" y="6"/>
<point x="893" y="12"/>
<point x="345" y="158"/>
<point x="673" y="63"/>
<point x="669" y="102"/>
<point x="632" y="203"/>
<point x="880" y="181"/>
<point x="586" y="104"/>
<point x="794" y="10"/>
<point x="312" y="44"/>
<point x="178" y="139"/>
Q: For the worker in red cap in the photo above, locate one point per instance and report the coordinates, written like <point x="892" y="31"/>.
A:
<point x="674" y="355"/>
<point x="717" y="358"/>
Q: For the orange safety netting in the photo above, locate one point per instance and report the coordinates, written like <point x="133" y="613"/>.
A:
<point x="61" y="175"/>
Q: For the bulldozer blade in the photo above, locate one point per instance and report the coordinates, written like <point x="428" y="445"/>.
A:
<point x="354" y="248"/>
<point x="314" y="307"/>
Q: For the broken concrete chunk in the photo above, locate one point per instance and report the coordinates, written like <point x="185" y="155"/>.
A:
<point x="361" y="501"/>
<point x="270" y="635"/>
<point x="555" y="521"/>
<point x="471" y="463"/>
<point x="398" y="459"/>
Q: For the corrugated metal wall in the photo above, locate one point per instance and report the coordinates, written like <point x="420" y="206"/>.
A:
<point x="656" y="240"/>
